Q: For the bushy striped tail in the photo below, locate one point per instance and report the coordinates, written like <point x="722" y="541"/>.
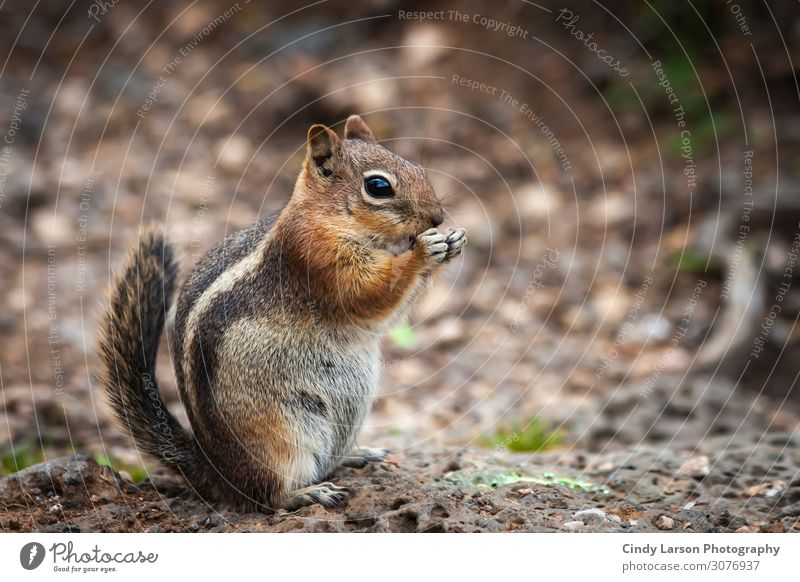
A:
<point x="130" y="331"/>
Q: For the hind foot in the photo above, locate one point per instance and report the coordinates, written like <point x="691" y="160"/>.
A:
<point x="326" y="494"/>
<point x="362" y="456"/>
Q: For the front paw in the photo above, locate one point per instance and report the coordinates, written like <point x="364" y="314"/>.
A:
<point x="432" y="244"/>
<point x="456" y="239"/>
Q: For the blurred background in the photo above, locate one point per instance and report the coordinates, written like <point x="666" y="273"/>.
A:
<point x="627" y="173"/>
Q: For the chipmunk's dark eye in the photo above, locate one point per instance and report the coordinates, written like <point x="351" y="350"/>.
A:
<point x="378" y="187"/>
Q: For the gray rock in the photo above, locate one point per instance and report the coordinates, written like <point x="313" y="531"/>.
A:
<point x="591" y="515"/>
<point x="74" y="480"/>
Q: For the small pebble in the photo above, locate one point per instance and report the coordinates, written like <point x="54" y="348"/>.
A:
<point x="697" y="467"/>
<point x="572" y="525"/>
<point x="665" y="522"/>
<point x="615" y="518"/>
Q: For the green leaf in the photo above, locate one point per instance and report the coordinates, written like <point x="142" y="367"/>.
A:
<point x="534" y="436"/>
<point x="21" y="457"/>
<point x="403" y="335"/>
<point x="689" y="261"/>
<point x="138" y="474"/>
<point x="102" y="459"/>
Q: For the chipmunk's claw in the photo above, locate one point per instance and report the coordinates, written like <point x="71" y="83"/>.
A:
<point x="456" y="239"/>
<point x="363" y="456"/>
<point x="326" y="494"/>
<point x="434" y="244"/>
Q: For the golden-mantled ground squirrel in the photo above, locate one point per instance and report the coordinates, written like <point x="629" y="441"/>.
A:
<point x="277" y="329"/>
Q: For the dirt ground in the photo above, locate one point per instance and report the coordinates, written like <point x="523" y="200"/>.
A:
<point x="457" y="490"/>
<point x="586" y="366"/>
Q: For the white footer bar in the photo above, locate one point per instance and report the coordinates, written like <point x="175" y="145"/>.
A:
<point x="405" y="557"/>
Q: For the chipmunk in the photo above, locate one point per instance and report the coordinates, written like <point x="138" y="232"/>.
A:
<point x="277" y="329"/>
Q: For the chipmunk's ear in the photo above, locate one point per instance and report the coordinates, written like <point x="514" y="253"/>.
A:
<point x="357" y="128"/>
<point x="323" y="145"/>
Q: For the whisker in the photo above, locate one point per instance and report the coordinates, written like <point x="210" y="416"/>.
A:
<point x="447" y="196"/>
<point x="369" y="242"/>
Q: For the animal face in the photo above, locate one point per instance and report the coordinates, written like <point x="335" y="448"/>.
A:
<point x="377" y="191"/>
